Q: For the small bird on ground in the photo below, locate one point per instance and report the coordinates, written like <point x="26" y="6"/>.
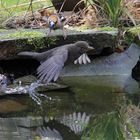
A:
<point x="53" y="60"/>
<point x="55" y="21"/>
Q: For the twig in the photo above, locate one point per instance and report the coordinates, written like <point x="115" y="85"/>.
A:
<point x="62" y="6"/>
<point x="77" y="5"/>
<point x="30" y="6"/>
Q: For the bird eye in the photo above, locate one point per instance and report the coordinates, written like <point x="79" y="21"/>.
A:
<point x="62" y="18"/>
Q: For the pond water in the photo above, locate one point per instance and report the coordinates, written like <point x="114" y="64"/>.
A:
<point x="93" y="108"/>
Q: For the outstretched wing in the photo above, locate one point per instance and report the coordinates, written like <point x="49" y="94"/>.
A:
<point x="83" y="59"/>
<point x="50" y="69"/>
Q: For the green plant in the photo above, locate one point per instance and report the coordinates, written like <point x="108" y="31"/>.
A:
<point x="112" y="10"/>
<point x="106" y="127"/>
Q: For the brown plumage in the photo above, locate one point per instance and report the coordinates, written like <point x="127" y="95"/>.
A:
<point x="53" y="60"/>
<point x="55" y="21"/>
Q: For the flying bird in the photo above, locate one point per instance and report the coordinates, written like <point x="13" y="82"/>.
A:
<point x="53" y="60"/>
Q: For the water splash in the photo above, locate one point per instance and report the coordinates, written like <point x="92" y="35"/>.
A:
<point x="34" y="95"/>
<point x="28" y="89"/>
<point x="3" y="82"/>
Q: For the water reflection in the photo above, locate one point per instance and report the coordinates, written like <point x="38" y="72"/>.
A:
<point x="94" y="108"/>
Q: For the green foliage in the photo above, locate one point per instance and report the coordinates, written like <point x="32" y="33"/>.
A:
<point x="132" y="129"/>
<point x="23" y="34"/>
<point x="107" y="28"/>
<point x="37" y="42"/>
<point x="111" y="9"/>
<point x="135" y="30"/>
<point x="133" y="35"/>
<point x="106" y="127"/>
<point x="114" y="11"/>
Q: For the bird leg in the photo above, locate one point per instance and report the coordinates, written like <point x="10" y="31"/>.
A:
<point x="49" y="33"/>
<point x="64" y="33"/>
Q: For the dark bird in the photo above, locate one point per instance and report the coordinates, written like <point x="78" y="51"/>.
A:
<point x="53" y="60"/>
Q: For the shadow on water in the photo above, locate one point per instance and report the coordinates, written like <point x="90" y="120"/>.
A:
<point x="93" y="108"/>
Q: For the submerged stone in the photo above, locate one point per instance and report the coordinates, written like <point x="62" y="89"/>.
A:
<point x="8" y="106"/>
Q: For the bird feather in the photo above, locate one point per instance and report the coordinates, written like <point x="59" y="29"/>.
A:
<point x="51" y="68"/>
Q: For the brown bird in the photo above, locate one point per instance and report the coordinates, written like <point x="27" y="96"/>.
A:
<point x="55" y="21"/>
<point x="53" y="60"/>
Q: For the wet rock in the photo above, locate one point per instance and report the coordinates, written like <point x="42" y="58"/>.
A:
<point x="8" y="106"/>
<point x="30" y="85"/>
<point x="18" y="128"/>
<point x="29" y="121"/>
<point x="114" y="64"/>
<point x="25" y="40"/>
<point x="6" y="49"/>
<point x="26" y="80"/>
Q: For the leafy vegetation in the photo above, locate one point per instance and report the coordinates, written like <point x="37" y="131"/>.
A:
<point x="135" y="30"/>
<point x="106" y="127"/>
<point x="112" y="10"/>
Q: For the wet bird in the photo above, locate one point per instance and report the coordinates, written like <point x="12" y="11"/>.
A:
<point x="53" y="60"/>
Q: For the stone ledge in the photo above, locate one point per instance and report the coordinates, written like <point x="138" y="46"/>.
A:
<point x="10" y="46"/>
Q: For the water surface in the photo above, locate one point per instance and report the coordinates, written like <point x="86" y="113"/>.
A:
<point x="94" y="107"/>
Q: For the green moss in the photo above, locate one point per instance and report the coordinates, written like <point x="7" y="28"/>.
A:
<point x="3" y="30"/>
<point x="84" y="27"/>
<point x="36" y="42"/>
<point x="23" y="34"/>
<point x="107" y="28"/>
<point x="132" y="129"/>
<point x="35" y="39"/>
<point x="131" y="36"/>
<point x="135" y="30"/>
<point x="106" y="127"/>
<point x="52" y="41"/>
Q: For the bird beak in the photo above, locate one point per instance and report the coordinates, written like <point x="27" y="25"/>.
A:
<point x="90" y="48"/>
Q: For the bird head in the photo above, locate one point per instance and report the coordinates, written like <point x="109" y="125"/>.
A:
<point x="61" y="17"/>
<point x="83" y="46"/>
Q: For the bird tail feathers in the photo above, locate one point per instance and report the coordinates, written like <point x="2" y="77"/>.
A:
<point x="28" y="54"/>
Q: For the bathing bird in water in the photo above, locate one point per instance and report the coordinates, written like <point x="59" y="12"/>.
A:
<point x="53" y="60"/>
